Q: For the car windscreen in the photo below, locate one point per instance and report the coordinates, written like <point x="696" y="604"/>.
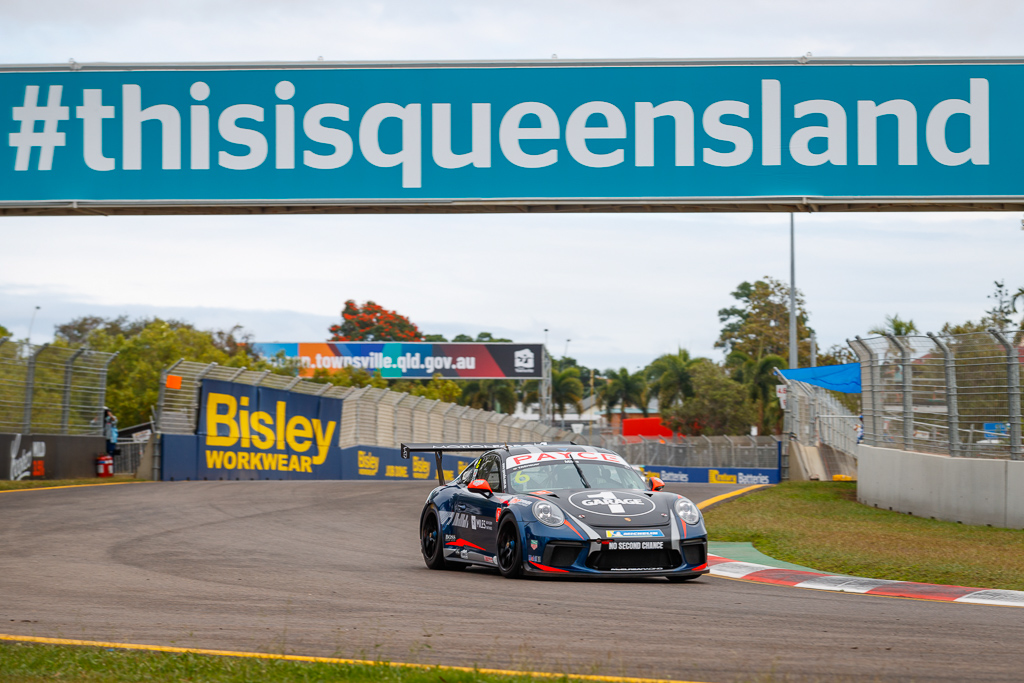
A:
<point x="550" y="476"/>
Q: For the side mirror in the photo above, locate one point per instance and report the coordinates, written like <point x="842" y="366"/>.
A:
<point x="481" y="486"/>
<point x="655" y="484"/>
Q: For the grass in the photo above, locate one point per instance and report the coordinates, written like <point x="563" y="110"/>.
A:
<point x="821" y="525"/>
<point x="29" y="663"/>
<point x="47" y="483"/>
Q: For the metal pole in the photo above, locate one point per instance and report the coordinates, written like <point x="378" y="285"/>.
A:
<point x="814" y="350"/>
<point x="792" y="295"/>
<point x="197" y="392"/>
<point x="30" y="385"/>
<point x="908" y="396"/>
<point x="952" y="407"/>
<point x="69" y="371"/>
<point x="1013" y="391"/>
<point x="869" y="390"/>
<point x="103" y="382"/>
<point x="545" y="387"/>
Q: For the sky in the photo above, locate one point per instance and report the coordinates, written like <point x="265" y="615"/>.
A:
<point x="623" y="288"/>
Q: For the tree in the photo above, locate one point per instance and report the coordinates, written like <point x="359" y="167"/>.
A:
<point x="498" y="395"/>
<point x="4" y="332"/>
<point x="371" y="322"/>
<point x="437" y="389"/>
<point x="566" y="389"/>
<point x="434" y="338"/>
<point x="895" y="326"/>
<point x="349" y="377"/>
<point x="760" y="325"/>
<point x="625" y="389"/>
<point x="133" y="381"/>
<point x="719" y="405"/>
<point x="481" y="337"/>
<point x="758" y="376"/>
<point x="670" y="374"/>
<point x="1004" y="306"/>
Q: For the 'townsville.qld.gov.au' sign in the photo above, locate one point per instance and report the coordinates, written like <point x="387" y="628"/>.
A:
<point x="495" y="135"/>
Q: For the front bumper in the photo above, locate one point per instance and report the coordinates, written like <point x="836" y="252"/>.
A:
<point x="685" y="557"/>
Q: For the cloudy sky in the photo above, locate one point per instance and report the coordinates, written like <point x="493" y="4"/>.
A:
<point x="623" y="288"/>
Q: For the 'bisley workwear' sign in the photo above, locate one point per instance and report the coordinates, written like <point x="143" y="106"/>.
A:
<point x="470" y="136"/>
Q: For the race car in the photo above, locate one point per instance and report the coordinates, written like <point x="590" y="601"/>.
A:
<point x="557" y="510"/>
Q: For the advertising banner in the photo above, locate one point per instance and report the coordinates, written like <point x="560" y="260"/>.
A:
<point x="710" y="475"/>
<point x="248" y="432"/>
<point x="49" y="456"/>
<point x="412" y="360"/>
<point x="637" y="132"/>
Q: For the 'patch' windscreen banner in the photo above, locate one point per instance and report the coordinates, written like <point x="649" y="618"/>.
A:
<point x="635" y="132"/>
<point x="411" y="360"/>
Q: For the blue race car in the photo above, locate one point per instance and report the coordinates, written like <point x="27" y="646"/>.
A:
<point x="558" y="510"/>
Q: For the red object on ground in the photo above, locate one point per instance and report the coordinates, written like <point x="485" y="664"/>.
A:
<point x="644" y="426"/>
<point x="104" y="466"/>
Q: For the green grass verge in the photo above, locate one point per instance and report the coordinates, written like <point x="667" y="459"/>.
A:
<point x="821" y="525"/>
<point x="29" y="663"/>
<point x="47" y="483"/>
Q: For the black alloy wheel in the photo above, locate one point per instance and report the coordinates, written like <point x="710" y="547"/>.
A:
<point x="430" y="541"/>
<point x="510" y="550"/>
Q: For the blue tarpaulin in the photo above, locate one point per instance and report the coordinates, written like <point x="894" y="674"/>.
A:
<point x="844" y="378"/>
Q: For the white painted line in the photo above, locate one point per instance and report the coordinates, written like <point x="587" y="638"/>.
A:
<point x="846" y="584"/>
<point x="737" y="570"/>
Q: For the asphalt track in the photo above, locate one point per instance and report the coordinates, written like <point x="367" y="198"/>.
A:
<point x="333" y="569"/>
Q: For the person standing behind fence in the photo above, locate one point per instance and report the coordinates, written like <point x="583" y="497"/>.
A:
<point x="110" y="430"/>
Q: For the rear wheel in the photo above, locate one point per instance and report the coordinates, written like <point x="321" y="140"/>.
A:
<point x="430" y="541"/>
<point x="510" y="550"/>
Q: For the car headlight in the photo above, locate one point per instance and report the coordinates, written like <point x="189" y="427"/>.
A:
<point x="687" y="511"/>
<point x="548" y="513"/>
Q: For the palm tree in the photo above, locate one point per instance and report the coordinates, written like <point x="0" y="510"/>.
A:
<point x="670" y="373"/>
<point x="895" y="326"/>
<point x="490" y="394"/>
<point x="759" y="377"/>
<point x="566" y="389"/>
<point x="625" y="389"/>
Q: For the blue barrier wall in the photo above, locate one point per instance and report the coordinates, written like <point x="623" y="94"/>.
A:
<point x="711" y="475"/>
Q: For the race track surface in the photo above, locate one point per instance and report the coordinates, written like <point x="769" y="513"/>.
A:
<point x="333" y="569"/>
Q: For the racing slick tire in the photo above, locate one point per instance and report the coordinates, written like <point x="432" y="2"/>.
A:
<point x="431" y="543"/>
<point x="510" y="549"/>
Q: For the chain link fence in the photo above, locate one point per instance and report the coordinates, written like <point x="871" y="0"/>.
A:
<point x="815" y="417"/>
<point x="52" y="390"/>
<point x="371" y="416"/>
<point x="950" y="394"/>
<point x="696" y="451"/>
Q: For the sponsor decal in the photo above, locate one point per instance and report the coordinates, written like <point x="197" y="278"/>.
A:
<point x="636" y="545"/>
<point x="517" y="461"/>
<point x="533" y="544"/>
<point x="420" y="467"/>
<point x="520" y="501"/>
<point x="536" y="559"/>
<point x="464" y="520"/>
<point x="613" y="503"/>
<point x="489" y="559"/>
<point x="715" y="477"/>
<point x="462" y="543"/>
<point x="29" y="462"/>
<point x="464" y="554"/>
<point x="481" y="523"/>
<point x="461" y="520"/>
<point x="636" y="569"/>
<point x="397" y="471"/>
<point x="368" y="463"/>
<point x="449" y="537"/>
<point x="634" y="533"/>
<point x="753" y="478"/>
<point x="675" y="476"/>
<point x="497" y="514"/>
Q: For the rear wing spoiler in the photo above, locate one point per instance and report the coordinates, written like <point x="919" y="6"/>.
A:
<point x="439" y="448"/>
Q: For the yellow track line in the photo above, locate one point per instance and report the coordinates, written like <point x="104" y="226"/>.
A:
<point x="335" y="660"/>
<point x="74" y="486"/>
<point x="727" y="496"/>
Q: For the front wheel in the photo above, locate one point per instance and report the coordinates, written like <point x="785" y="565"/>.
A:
<point x="430" y="541"/>
<point x="510" y="551"/>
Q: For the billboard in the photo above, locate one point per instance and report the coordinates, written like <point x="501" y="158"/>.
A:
<point x="494" y="136"/>
<point x="412" y="360"/>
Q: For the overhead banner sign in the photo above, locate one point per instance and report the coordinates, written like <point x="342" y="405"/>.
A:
<point x="491" y="136"/>
<point x="411" y="360"/>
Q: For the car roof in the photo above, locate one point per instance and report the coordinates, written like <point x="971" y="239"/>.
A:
<point x="550" y="448"/>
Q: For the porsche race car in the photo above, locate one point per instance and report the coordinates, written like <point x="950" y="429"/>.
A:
<point x="558" y="510"/>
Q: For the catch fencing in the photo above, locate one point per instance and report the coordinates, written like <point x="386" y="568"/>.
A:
<point x="696" y="451"/>
<point x="949" y="394"/>
<point x="814" y="417"/>
<point x="371" y="416"/>
<point x="52" y="390"/>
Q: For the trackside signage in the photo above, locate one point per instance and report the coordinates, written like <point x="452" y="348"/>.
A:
<point x="636" y="132"/>
<point x="420" y="360"/>
<point x="248" y="432"/>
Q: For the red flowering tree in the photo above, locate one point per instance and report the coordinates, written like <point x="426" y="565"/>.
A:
<point x="371" y="322"/>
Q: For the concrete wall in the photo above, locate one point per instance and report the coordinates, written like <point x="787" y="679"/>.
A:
<point x="46" y="456"/>
<point x="967" y="490"/>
